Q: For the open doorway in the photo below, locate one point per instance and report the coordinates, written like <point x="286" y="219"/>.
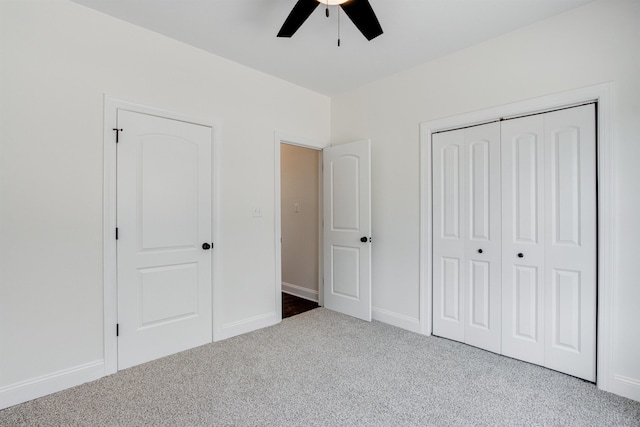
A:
<point x="300" y="210"/>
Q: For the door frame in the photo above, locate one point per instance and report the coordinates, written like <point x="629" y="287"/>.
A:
<point x="111" y="107"/>
<point x="284" y="138"/>
<point x="603" y="95"/>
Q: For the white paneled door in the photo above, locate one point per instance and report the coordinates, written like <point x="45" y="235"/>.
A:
<point x="347" y="229"/>
<point x="549" y="240"/>
<point x="514" y="238"/>
<point x="570" y="244"/>
<point x="466" y="238"/>
<point x="523" y="205"/>
<point x="164" y="237"/>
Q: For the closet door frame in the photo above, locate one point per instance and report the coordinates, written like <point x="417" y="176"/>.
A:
<point x="603" y="95"/>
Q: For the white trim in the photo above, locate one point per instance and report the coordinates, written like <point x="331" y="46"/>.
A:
<point x="425" y="249"/>
<point x="627" y="387"/>
<point x="111" y="107"/>
<point x="51" y="383"/>
<point x="283" y="138"/>
<point x="607" y="232"/>
<point x="320" y="230"/>
<point x="607" y="288"/>
<point x="300" y="291"/>
<point x="277" y="227"/>
<point x="217" y="302"/>
<point x="110" y="259"/>
<point x="249" y="325"/>
<point x="300" y="141"/>
<point x="395" y="319"/>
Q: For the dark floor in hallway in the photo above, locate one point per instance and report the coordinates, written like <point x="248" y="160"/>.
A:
<point x="292" y="305"/>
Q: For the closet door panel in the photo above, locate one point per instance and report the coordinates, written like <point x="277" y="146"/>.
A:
<point x="525" y="173"/>
<point x="523" y="238"/>
<point x="570" y="250"/>
<point x="449" y="267"/>
<point x="482" y="243"/>
<point x="450" y="298"/>
<point x="479" y="295"/>
<point x="480" y="190"/>
<point x="450" y="194"/>
<point x="526" y="315"/>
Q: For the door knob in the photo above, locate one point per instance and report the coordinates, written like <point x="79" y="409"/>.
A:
<point x="363" y="239"/>
<point x="479" y="251"/>
<point x="206" y="246"/>
<point x="520" y="255"/>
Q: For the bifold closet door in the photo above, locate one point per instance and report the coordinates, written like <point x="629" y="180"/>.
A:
<point x="466" y="235"/>
<point x="549" y="240"/>
<point x="570" y="245"/>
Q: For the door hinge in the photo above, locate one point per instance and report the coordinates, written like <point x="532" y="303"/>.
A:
<point x="116" y="233"/>
<point x="117" y="329"/>
<point x="117" y="134"/>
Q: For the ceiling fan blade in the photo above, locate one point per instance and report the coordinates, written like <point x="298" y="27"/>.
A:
<point x="296" y="18"/>
<point x="363" y="16"/>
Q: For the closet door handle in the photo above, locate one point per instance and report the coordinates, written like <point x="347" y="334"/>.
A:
<point x="520" y="255"/>
<point x="479" y="251"/>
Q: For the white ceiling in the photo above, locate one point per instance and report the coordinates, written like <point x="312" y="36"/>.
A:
<point x="415" y="31"/>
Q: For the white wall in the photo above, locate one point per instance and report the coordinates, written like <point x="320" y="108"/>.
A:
<point x="58" y="61"/>
<point x="299" y="178"/>
<point x="593" y="44"/>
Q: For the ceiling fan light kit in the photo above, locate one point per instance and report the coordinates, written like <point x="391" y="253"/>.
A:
<point x="359" y="11"/>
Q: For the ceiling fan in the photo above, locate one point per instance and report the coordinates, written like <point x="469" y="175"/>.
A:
<point x="359" y="11"/>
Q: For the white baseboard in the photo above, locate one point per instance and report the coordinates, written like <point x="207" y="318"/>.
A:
<point x="300" y="291"/>
<point x="395" y="319"/>
<point x="627" y="387"/>
<point x="51" y="383"/>
<point x="248" y="325"/>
